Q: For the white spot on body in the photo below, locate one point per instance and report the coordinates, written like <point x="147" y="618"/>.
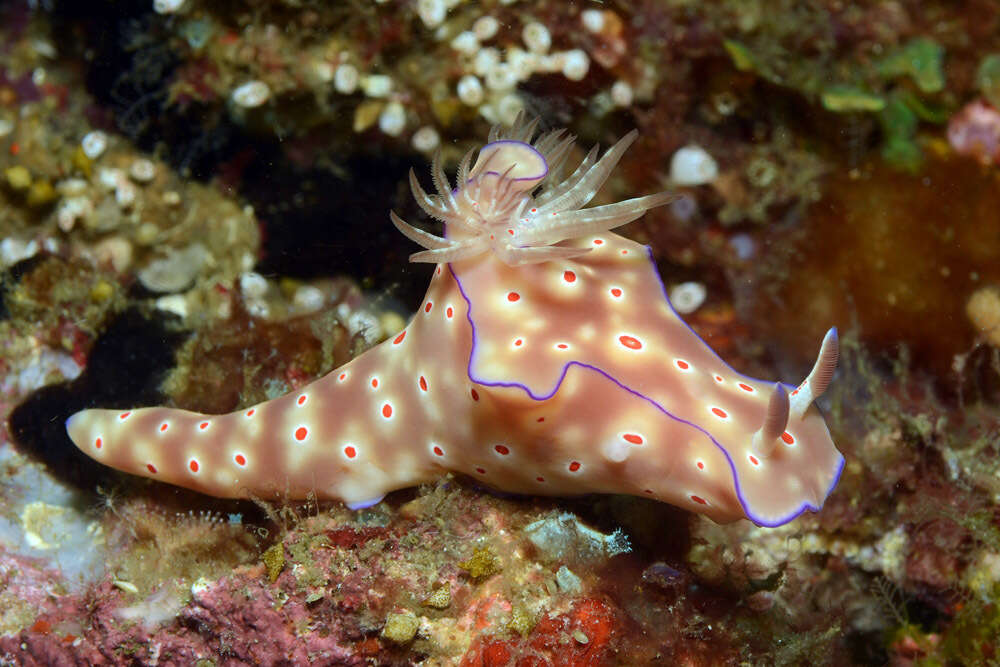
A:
<point x="616" y="450"/>
<point x="587" y="332"/>
<point x="224" y="478"/>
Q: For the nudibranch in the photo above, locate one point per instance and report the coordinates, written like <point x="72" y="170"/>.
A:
<point x="545" y="359"/>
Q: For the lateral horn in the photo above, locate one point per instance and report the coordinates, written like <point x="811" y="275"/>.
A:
<point x="819" y="377"/>
<point x="775" y="421"/>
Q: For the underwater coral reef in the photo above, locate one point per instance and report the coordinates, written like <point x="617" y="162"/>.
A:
<point x="558" y="453"/>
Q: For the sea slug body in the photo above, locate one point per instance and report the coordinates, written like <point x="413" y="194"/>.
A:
<point x="544" y="359"/>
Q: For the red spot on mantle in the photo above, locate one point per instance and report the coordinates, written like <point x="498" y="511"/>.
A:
<point x="630" y="342"/>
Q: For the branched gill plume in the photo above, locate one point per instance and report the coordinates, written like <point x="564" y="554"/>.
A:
<point x="492" y="206"/>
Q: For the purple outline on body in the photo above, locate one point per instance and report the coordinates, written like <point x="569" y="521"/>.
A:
<point x="736" y="478"/>
<point x="541" y="158"/>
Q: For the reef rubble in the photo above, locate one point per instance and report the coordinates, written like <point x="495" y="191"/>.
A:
<point x="194" y="211"/>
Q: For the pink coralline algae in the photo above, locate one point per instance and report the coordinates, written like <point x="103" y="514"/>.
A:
<point x="239" y="619"/>
<point x="975" y="132"/>
<point x="545" y="359"/>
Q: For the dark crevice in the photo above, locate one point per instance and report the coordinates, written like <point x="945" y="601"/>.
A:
<point x="125" y="369"/>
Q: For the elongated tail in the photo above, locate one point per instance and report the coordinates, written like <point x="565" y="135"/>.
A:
<point x="336" y="438"/>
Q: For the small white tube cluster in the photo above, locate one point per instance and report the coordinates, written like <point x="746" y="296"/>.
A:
<point x="345" y="78"/>
<point x="434" y="12"/>
<point x="392" y="120"/>
<point x="687" y="297"/>
<point x="494" y="57"/>
<point x="168" y="6"/>
<point x="94" y="143"/>
<point x="692" y="165"/>
<point x="426" y="139"/>
<point x="251" y="94"/>
<point x="492" y="73"/>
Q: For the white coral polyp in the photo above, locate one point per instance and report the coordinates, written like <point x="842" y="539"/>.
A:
<point x="168" y="6"/>
<point x="493" y="206"/>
